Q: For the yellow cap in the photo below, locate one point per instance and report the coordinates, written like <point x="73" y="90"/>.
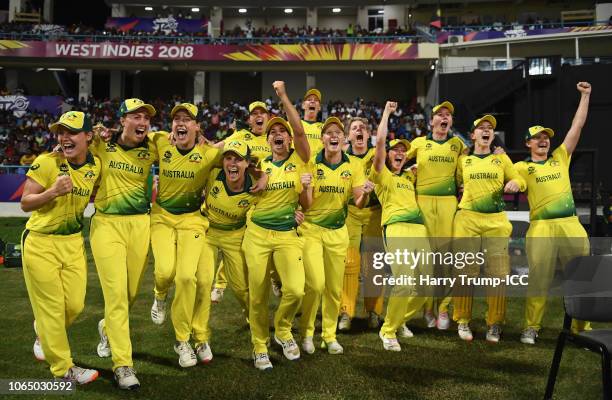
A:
<point x="332" y="120"/>
<point x="395" y="142"/>
<point x="239" y="147"/>
<point x="534" y="130"/>
<point x="131" y="105"/>
<point x="258" y="104"/>
<point x="487" y="117"/>
<point x="74" y="121"/>
<point x="314" y="91"/>
<point x="278" y="120"/>
<point x="190" y="108"/>
<point x="444" y="104"/>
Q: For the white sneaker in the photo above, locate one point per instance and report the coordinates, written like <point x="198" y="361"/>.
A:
<point x="187" y="357"/>
<point x="104" y="349"/>
<point x="430" y="319"/>
<point x="39" y="354"/>
<point x="494" y="333"/>
<point x="80" y="375"/>
<point x="126" y="378"/>
<point x="290" y="348"/>
<point x="204" y="353"/>
<point x="404" y="332"/>
<point x="308" y="345"/>
<point x="390" y="344"/>
<point x="373" y="320"/>
<point x="529" y="336"/>
<point x="158" y="311"/>
<point x="216" y="295"/>
<point x="443" y="321"/>
<point x="262" y="361"/>
<point x="276" y="288"/>
<point x="345" y="322"/>
<point x="465" y="333"/>
<point x="333" y="347"/>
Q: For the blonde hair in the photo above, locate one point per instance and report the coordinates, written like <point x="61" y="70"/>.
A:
<point x="349" y="122"/>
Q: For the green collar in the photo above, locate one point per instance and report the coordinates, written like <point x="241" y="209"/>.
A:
<point x="350" y="150"/>
<point x="481" y="156"/>
<point x="430" y="137"/>
<point x="320" y="159"/>
<point x="247" y="183"/>
<point x="144" y="143"/>
<point x="280" y="162"/>
<point x="184" y="152"/>
<point x="529" y="159"/>
<point x="89" y="159"/>
<point x="310" y="122"/>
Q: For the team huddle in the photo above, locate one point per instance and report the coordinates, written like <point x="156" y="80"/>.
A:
<point x="285" y="206"/>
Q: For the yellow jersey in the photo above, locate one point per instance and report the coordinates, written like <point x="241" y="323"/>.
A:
<point x="226" y="210"/>
<point x="182" y="175"/>
<point x="366" y="160"/>
<point x="277" y="204"/>
<point x="260" y="149"/>
<point x="63" y="215"/>
<point x="332" y="187"/>
<point x="124" y="186"/>
<point x="484" y="177"/>
<point x="549" y="191"/>
<point x="313" y="134"/>
<point x="397" y="196"/>
<point x="437" y="164"/>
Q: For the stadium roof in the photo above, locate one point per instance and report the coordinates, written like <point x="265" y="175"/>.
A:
<point x="289" y="3"/>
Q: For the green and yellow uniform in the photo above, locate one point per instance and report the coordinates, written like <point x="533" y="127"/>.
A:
<point x="554" y="231"/>
<point x="178" y="235"/>
<point x="53" y="254"/>
<point x="326" y="240"/>
<point x="481" y="223"/>
<point x="120" y="234"/>
<point x="313" y="134"/>
<point x="227" y="214"/>
<point x="260" y="149"/>
<point x="362" y="223"/>
<point x="437" y="197"/>
<point x="269" y="234"/>
<point x="403" y="229"/>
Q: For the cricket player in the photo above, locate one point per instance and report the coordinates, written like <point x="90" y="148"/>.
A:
<point x="311" y="105"/>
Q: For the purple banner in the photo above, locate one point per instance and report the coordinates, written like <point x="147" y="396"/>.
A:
<point x="443" y="37"/>
<point x="166" y="25"/>
<point x="20" y="105"/>
<point x="12" y="186"/>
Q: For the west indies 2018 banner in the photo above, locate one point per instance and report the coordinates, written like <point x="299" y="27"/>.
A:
<point x="442" y="37"/>
<point x="207" y="52"/>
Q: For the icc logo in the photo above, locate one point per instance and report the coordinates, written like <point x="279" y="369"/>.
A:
<point x="214" y="192"/>
<point x="530" y="170"/>
<point x="63" y="169"/>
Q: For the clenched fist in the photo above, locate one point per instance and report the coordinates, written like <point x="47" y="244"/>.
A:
<point x="584" y="87"/>
<point x="279" y="87"/>
<point x="390" y="107"/>
<point x="62" y="186"/>
<point x="306" y="180"/>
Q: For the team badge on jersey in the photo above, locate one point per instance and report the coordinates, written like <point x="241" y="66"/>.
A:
<point x="34" y="167"/>
<point x="268" y="171"/>
<point x="247" y="136"/>
<point x="110" y="148"/>
<point x="454" y="147"/>
<point x="90" y="175"/>
<point x="244" y="203"/>
<point x="195" y="157"/>
<point x="496" y="161"/>
<point x="144" y="155"/>
<point x="63" y="169"/>
<point x="214" y="192"/>
<point x="428" y="146"/>
<point x="167" y="156"/>
<point x="554" y="163"/>
<point x="290" y="167"/>
<point x="346" y="175"/>
<point x="320" y="174"/>
<point x="531" y="170"/>
<point x="468" y="162"/>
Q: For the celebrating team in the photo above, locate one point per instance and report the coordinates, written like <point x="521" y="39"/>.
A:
<point x="295" y="200"/>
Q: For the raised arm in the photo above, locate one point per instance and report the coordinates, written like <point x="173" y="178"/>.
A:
<point x="300" y="141"/>
<point x="573" y="135"/>
<point x="381" y="137"/>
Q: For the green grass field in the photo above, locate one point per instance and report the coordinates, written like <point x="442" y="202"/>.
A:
<point x="432" y="365"/>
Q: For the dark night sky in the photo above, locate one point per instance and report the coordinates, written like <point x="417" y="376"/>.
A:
<point x="66" y="12"/>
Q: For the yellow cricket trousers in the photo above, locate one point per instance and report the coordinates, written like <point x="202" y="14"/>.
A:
<point x="404" y="300"/>
<point x="120" y="246"/>
<point x="324" y="254"/>
<point x="285" y="247"/>
<point x="177" y="242"/>
<point x="475" y="232"/>
<point x="55" y="272"/>
<point x="229" y="244"/>
<point x="550" y="241"/>
<point x="362" y="223"/>
<point x="439" y="215"/>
